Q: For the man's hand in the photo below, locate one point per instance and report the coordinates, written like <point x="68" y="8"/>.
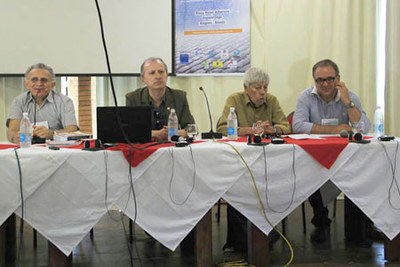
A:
<point x="160" y="134"/>
<point x="42" y="132"/>
<point x="344" y="92"/>
<point x="341" y="127"/>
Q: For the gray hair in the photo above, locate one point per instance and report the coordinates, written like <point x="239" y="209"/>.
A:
<point x="325" y="63"/>
<point x="255" y="75"/>
<point x="43" y="67"/>
<point x="152" y="59"/>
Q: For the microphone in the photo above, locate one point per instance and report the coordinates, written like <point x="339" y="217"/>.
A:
<point x="344" y="134"/>
<point x="36" y="139"/>
<point x="211" y="134"/>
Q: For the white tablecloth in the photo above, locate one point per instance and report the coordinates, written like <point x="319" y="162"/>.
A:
<point x="65" y="191"/>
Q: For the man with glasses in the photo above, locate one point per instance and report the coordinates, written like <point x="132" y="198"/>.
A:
<point x="48" y="111"/>
<point x="328" y="107"/>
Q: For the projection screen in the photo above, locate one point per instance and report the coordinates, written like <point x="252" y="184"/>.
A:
<point x="66" y="35"/>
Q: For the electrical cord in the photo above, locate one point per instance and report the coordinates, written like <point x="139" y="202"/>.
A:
<point x="118" y="117"/>
<point x="22" y="203"/>
<point x="171" y="151"/>
<point x="294" y="182"/>
<point x="393" y="167"/>
<point x="260" y="200"/>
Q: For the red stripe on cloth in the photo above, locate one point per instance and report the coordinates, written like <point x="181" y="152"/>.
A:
<point x="5" y="146"/>
<point x="325" y="151"/>
<point x="139" y="152"/>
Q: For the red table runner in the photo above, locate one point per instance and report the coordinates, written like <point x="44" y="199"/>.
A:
<point x="325" y="151"/>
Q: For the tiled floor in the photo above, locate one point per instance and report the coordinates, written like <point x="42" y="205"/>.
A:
<point x="110" y="247"/>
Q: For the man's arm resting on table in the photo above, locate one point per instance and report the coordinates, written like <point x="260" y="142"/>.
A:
<point x="329" y="129"/>
<point x="13" y="131"/>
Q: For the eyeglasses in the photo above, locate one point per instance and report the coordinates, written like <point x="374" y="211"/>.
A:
<point x="321" y="81"/>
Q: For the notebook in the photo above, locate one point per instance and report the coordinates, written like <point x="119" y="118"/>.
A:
<point x="135" y="121"/>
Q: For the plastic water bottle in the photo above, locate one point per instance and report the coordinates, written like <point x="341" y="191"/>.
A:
<point x="378" y="122"/>
<point x="172" y="124"/>
<point x="232" y="124"/>
<point x="25" y="131"/>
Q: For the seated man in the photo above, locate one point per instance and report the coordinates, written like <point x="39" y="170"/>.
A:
<point x="49" y="110"/>
<point x="254" y="104"/>
<point x="156" y="93"/>
<point x="328" y="107"/>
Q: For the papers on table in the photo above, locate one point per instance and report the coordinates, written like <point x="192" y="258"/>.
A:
<point x="311" y="136"/>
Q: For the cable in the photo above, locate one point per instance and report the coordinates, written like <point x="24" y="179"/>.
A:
<point x="294" y="182"/>
<point x="20" y="182"/>
<point x="172" y="177"/>
<point x="260" y="200"/>
<point x="22" y="203"/>
<point x="118" y="117"/>
<point x="393" y="170"/>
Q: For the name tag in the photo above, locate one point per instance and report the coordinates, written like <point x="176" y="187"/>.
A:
<point x="329" y="122"/>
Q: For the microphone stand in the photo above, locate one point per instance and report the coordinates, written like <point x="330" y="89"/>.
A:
<point x="211" y="134"/>
<point x="36" y="139"/>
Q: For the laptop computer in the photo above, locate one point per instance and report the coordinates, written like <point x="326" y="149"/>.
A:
<point x="136" y="122"/>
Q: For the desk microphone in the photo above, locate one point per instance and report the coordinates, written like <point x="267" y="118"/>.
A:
<point x="211" y="134"/>
<point x="344" y="134"/>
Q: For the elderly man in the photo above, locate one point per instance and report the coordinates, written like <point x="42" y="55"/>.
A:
<point x="252" y="105"/>
<point x="157" y="94"/>
<point x="255" y="104"/>
<point x="48" y="110"/>
<point x="328" y="107"/>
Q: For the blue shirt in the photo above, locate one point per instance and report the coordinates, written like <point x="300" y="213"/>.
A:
<point x="311" y="109"/>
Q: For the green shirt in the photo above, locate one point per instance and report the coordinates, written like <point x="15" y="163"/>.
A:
<point x="247" y="113"/>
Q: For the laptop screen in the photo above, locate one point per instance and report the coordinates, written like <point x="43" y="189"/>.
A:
<point x="136" y="122"/>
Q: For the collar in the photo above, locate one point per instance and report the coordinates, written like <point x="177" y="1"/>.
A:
<point x="49" y="97"/>
<point x="314" y="92"/>
<point x="248" y="101"/>
<point x="146" y="98"/>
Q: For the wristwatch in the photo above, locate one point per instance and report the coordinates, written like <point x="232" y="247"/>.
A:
<point x="350" y="105"/>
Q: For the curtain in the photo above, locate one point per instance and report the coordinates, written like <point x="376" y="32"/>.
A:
<point x="392" y="94"/>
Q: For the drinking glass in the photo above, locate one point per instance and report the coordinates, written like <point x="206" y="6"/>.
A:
<point x="191" y="130"/>
<point x="258" y="128"/>
<point x="358" y="127"/>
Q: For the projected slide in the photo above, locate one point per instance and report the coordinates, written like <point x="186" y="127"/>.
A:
<point x="212" y="36"/>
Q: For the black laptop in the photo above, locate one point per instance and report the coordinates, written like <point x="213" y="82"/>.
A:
<point x="136" y="122"/>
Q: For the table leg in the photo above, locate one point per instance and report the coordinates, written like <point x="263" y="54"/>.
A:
<point x="8" y="242"/>
<point x="392" y="248"/>
<point x="57" y="258"/>
<point x="258" y="246"/>
<point x="203" y="241"/>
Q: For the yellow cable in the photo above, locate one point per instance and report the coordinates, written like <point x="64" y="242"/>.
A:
<point x="261" y="203"/>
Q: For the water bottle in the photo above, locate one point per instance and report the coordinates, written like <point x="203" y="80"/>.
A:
<point x="232" y="124"/>
<point x="25" y="131"/>
<point x="378" y="122"/>
<point x="172" y="124"/>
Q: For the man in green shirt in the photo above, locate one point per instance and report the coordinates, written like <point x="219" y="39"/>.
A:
<point x="252" y="105"/>
<point x="255" y="104"/>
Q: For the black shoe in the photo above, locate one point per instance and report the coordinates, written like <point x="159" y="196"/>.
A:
<point x="228" y="248"/>
<point x="320" y="234"/>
